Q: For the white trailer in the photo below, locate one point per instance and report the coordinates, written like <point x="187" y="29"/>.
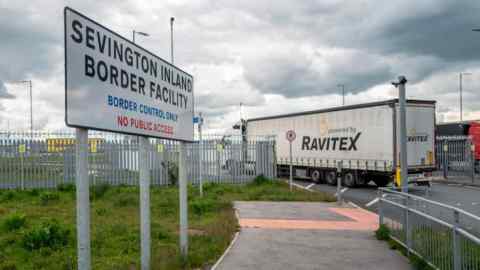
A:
<point x="365" y="137"/>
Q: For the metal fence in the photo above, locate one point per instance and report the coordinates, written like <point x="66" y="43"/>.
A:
<point x="444" y="236"/>
<point x="45" y="160"/>
<point x="455" y="158"/>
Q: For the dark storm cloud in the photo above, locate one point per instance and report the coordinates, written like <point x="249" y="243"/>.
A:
<point x="28" y="47"/>
<point x="414" y="38"/>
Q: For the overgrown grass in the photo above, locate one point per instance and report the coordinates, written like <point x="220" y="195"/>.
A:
<point x="45" y="239"/>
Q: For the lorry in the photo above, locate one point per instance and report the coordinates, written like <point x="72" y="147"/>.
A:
<point x="470" y="128"/>
<point x="363" y="137"/>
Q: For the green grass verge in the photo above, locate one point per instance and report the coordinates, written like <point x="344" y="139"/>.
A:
<point x="37" y="228"/>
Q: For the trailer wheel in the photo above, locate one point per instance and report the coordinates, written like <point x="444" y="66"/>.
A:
<point x="316" y="175"/>
<point x="349" y="179"/>
<point x="331" y="178"/>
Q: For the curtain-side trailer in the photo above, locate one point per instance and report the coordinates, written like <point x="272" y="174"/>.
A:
<point x="364" y="137"/>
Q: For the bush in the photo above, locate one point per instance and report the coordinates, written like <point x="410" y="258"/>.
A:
<point x="202" y="206"/>
<point x="14" y="221"/>
<point x="47" y="197"/>
<point x="66" y="187"/>
<point x="382" y="233"/>
<point x="49" y="234"/>
<point x="261" y="180"/>
<point x="98" y="191"/>
<point x="7" y="196"/>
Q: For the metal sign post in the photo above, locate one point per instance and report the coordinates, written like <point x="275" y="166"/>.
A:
<point x="291" y="135"/>
<point x="83" y="199"/>
<point x="182" y="180"/>
<point x="144" y="171"/>
<point x="403" y="132"/>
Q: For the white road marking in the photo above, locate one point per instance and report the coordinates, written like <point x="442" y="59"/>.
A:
<point x="309" y="186"/>
<point x="302" y="187"/>
<point x="474" y="203"/>
<point x="372" y="202"/>
<point x="341" y="191"/>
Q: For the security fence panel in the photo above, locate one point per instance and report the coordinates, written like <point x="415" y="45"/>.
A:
<point x="47" y="160"/>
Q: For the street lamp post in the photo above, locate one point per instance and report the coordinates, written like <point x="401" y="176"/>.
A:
<point x="461" y="92"/>
<point x="30" y="86"/>
<point x="138" y="33"/>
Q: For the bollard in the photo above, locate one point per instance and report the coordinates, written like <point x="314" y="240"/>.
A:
<point x="380" y="205"/>
<point x="339" y="182"/>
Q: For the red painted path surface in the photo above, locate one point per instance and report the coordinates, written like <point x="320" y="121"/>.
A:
<point x="362" y="220"/>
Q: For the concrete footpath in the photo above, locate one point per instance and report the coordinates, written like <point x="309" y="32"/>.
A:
<point x="298" y="235"/>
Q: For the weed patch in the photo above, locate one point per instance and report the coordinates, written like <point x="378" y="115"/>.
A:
<point x="14" y="221"/>
<point x="48" y="197"/>
<point x="50" y="234"/>
<point x="382" y="233"/>
<point x="66" y="187"/>
<point x="98" y="191"/>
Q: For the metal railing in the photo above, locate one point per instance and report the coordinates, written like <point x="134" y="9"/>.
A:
<point x="444" y="236"/>
<point x="45" y="160"/>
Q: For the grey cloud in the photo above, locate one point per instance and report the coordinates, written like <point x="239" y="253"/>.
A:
<point x="293" y="73"/>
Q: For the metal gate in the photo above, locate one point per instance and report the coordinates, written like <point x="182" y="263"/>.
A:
<point x="455" y="158"/>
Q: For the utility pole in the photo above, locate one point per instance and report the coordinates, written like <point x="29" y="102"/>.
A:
<point x="403" y="131"/>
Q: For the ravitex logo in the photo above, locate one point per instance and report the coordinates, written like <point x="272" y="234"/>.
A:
<point x="345" y="143"/>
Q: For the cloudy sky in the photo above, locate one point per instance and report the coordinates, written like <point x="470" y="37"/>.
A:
<point x="272" y="56"/>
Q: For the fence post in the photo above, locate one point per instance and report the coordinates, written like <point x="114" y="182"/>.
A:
<point x="472" y="158"/>
<point x="445" y="161"/>
<point x="455" y="242"/>
<point x="22" y="167"/>
<point x="408" y="232"/>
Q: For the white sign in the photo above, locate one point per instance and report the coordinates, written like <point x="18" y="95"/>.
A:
<point x="291" y="135"/>
<point x="112" y="84"/>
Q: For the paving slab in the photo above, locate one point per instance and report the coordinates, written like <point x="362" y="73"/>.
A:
<point x="349" y="244"/>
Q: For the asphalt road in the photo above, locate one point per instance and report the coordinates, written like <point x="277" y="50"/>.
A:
<point x="463" y="197"/>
